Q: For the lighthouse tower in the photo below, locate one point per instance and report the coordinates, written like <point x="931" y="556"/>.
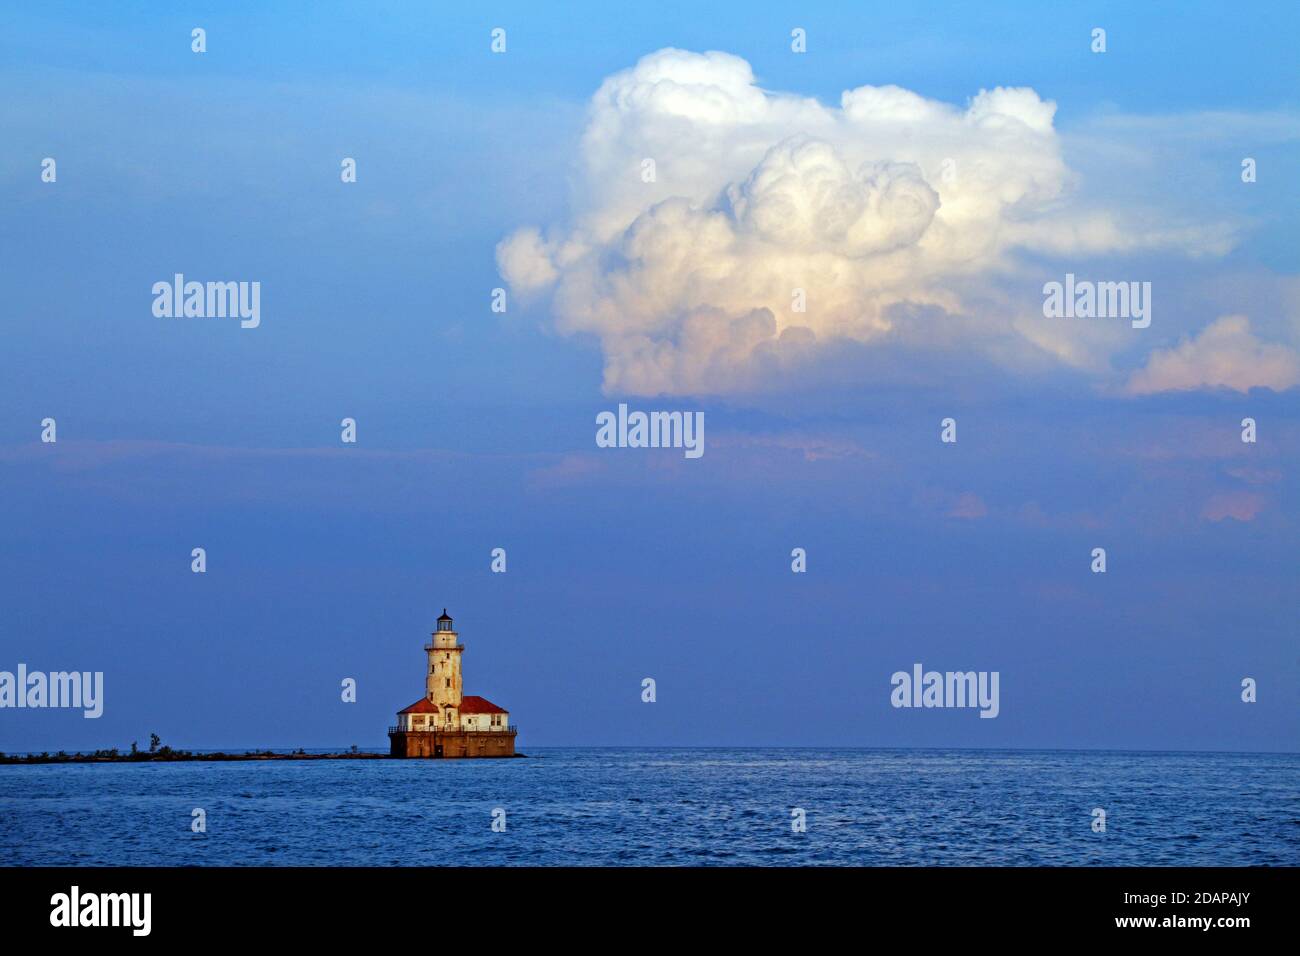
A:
<point x="446" y="722"/>
<point x="443" y="682"/>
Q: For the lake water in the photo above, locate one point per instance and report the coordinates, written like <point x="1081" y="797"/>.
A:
<point x="665" y="807"/>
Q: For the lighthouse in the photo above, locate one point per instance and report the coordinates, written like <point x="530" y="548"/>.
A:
<point x="443" y="683"/>
<point x="445" y="722"/>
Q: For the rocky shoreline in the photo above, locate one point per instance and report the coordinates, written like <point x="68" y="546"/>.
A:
<point x="178" y="756"/>
<point x="213" y="757"/>
<point x="158" y="754"/>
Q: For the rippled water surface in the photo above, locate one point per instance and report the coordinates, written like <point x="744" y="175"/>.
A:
<point x="665" y="807"/>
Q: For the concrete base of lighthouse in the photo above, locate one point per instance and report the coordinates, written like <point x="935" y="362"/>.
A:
<point x="456" y="743"/>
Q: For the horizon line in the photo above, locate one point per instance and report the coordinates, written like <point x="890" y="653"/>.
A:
<point x="755" y="747"/>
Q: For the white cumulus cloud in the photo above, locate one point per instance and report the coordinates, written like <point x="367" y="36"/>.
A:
<point x="890" y="217"/>
<point x="1225" y="355"/>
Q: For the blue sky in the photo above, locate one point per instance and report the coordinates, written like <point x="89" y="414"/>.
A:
<point x="476" y="429"/>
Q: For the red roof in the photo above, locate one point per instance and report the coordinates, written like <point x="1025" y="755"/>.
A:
<point x="479" y="705"/>
<point x="468" y="705"/>
<point x="421" y="706"/>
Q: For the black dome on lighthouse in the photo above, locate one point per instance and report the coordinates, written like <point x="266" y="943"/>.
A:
<point x="445" y="616"/>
